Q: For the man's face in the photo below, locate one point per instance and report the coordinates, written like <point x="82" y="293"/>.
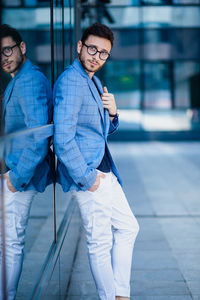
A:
<point x="92" y="63"/>
<point x="12" y="63"/>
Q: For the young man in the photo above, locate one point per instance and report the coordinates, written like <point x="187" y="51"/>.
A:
<point x="26" y="104"/>
<point x="84" y="115"/>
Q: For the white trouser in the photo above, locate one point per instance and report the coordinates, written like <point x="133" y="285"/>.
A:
<point x="17" y="207"/>
<point x="111" y="230"/>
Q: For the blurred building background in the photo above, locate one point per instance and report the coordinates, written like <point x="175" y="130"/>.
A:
<point x="154" y="72"/>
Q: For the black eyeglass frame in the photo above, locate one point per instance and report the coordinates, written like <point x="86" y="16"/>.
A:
<point x="10" y="48"/>
<point x="97" y="51"/>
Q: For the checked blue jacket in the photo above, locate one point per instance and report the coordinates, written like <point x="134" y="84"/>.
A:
<point x="27" y="104"/>
<point x="81" y="127"/>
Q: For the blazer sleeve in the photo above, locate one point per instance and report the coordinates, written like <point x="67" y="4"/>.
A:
<point x="68" y="95"/>
<point x="113" y="125"/>
<point x="33" y="95"/>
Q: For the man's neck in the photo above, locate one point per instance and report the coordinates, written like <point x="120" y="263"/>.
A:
<point x="89" y="73"/>
<point x="15" y="73"/>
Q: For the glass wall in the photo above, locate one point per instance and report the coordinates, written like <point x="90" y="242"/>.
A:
<point x="47" y="29"/>
<point x="152" y="58"/>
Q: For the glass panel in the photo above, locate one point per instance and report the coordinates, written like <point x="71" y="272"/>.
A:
<point x="20" y="160"/>
<point x="149" y="16"/>
<point x="8" y="3"/>
<point x="25" y="3"/>
<point x="171" y="16"/>
<point x="68" y="34"/>
<point x="187" y="84"/>
<point x="58" y="39"/>
<point x="28" y="107"/>
<point x="124" y="2"/>
<point x="34" y="26"/>
<point x="186" y="1"/>
<point x="160" y="2"/>
<point x="122" y="78"/>
<point x="113" y="17"/>
<point x="157" y="85"/>
<point x="63" y="43"/>
<point x="156" y="44"/>
<point x="171" y="44"/>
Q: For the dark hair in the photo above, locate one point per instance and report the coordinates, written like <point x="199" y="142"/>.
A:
<point x="8" y="31"/>
<point x="100" y="30"/>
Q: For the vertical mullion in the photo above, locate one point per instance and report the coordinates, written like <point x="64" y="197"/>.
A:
<point x="70" y="31"/>
<point x="52" y="82"/>
<point x="77" y="22"/>
<point x="63" y="35"/>
<point x="52" y="42"/>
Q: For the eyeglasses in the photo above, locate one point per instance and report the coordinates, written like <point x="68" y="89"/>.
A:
<point x="92" y="50"/>
<point x="8" y="51"/>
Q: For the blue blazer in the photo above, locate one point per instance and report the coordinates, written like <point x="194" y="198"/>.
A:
<point x="81" y="127"/>
<point x="27" y="104"/>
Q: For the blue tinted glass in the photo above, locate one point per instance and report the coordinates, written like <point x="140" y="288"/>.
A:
<point x="122" y="78"/>
<point x="186" y="82"/>
<point x="157" y="92"/>
<point x="186" y="1"/>
<point x="151" y="17"/>
<point x="161" y="2"/>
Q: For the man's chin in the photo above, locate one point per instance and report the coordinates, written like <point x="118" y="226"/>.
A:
<point x="93" y="69"/>
<point x="6" y="70"/>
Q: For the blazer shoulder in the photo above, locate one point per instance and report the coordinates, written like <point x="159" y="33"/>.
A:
<point x="71" y="76"/>
<point x="32" y="76"/>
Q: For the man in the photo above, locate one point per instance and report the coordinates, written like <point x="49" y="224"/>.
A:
<point x="26" y="105"/>
<point x="84" y="115"/>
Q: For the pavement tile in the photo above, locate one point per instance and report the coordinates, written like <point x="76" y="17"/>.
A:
<point x="194" y="287"/>
<point x="157" y="275"/>
<point x="154" y="260"/>
<point x="159" y="288"/>
<point x="188" y="260"/>
<point x="82" y="276"/>
<point x="191" y="274"/>
<point x="82" y="288"/>
<point x="157" y="244"/>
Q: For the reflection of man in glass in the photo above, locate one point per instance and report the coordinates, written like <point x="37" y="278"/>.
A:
<point x="84" y="115"/>
<point x="26" y="104"/>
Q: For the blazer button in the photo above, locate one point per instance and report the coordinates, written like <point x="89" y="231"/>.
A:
<point x="80" y="184"/>
<point x="23" y="185"/>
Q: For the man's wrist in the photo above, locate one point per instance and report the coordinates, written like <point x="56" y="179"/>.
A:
<point x="114" y="115"/>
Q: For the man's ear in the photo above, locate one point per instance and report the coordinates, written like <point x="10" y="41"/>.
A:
<point x="79" y="46"/>
<point x="23" y="47"/>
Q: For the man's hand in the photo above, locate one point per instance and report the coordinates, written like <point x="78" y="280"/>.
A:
<point x="9" y="184"/>
<point x="97" y="181"/>
<point x="109" y="102"/>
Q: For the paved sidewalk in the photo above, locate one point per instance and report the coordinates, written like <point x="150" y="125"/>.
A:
<point x="162" y="183"/>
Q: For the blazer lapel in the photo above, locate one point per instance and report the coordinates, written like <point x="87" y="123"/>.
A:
<point x="96" y="96"/>
<point x="11" y="84"/>
<point x="76" y="64"/>
<point x="105" y="111"/>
